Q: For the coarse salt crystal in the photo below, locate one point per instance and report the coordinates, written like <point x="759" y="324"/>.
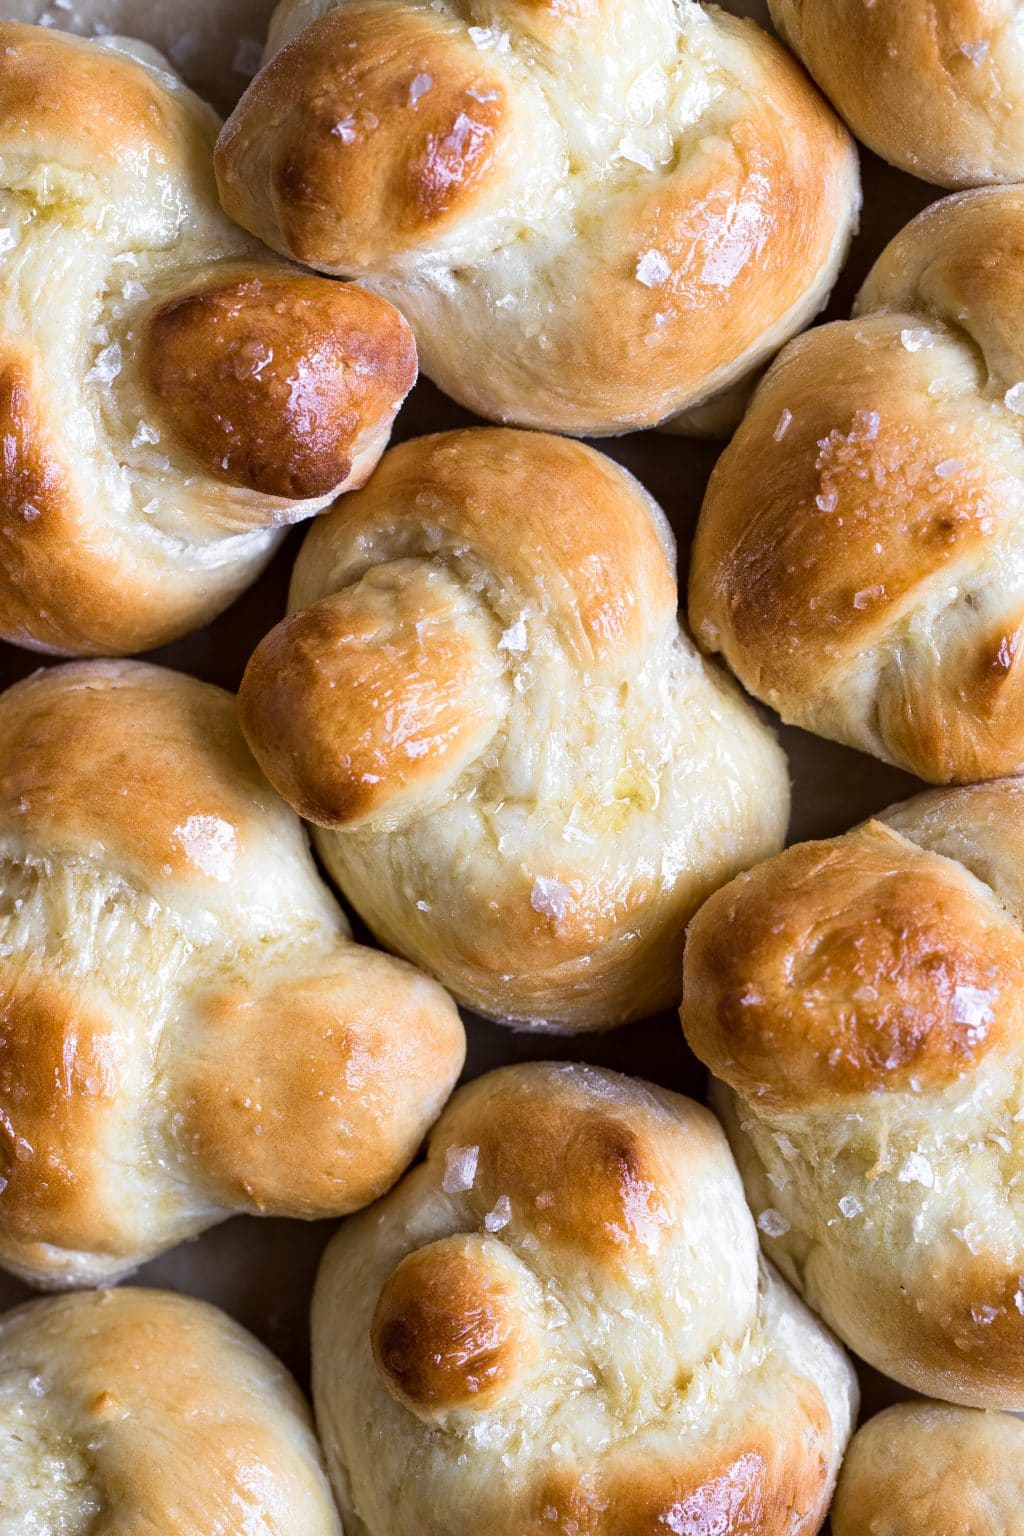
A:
<point x="652" y="269"/>
<point x="772" y="1223"/>
<point x="514" y="638"/>
<point x="827" y="501"/>
<point x="914" y="340"/>
<point x="850" y="1206"/>
<point x="460" y="1165"/>
<point x="106" y="367"/>
<point x="420" y="85"/>
<point x="976" y="52"/>
<point x="784" y="424"/>
<point x="984" y="1315"/>
<point x="208" y="843"/>
<point x="144" y="433"/>
<point x="949" y="467"/>
<point x="549" y="897"/>
<point x="500" y="1217"/>
<point x="1014" y="398"/>
<point x="345" y="130"/>
<point x="917" y="1170"/>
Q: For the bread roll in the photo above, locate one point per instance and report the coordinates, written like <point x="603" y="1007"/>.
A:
<point x="936" y="89"/>
<point x="926" y="1469"/>
<point x="186" y="1028"/>
<point x="142" y="1412"/>
<point x="522" y="774"/>
<point x="559" y="1323"/>
<point x="861" y="1002"/>
<point x="215" y="45"/>
<point x="596" y="214"/>
<point x="858" y="558"/>
<point x="170" y="396"/>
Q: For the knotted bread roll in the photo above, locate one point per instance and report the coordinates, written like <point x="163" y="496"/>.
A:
<point x="186" y="1028"/>
<point x="937" y="89"/>
<point x="522" y="773"/>
<point x="926" y="1469"/>
<point x="596" y="214"/>
<point x="170" y="397"/>
<point x="559" y="1323"/>
<point x="862" y="1002"/>
<point x="858" y="557"/>
<point x="215" y="45"/>
<point x="142" y="1412"/>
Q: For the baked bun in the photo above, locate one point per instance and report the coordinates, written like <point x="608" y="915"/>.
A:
<point x="523" y="775"/>
<point x="170" y="396"/>
<point x="139" y="1411"/>
<point x="559" y="1323"/>
<point x="215" y="45"/>
<point x="186" y="1028"/>
<point x="937" y="89"/>
<point x="862" y="1002"/>
<point x="595" y="213"/>
<point x="926" y="1469"/>
<point x="856" y="558"/>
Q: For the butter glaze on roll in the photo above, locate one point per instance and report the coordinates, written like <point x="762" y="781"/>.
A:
<point x="596" y="214"/>
<point x="859" y="560"/>
<point x="139" y="1411"/>
<point x="559" y="1323"/>
<point x="928" y="1469"/>
<point x="935" y="88"/>
<point x="521" y="772"/>
<point x="186" y="1028"/>
<point x="861" y="1003"/>
<point x="171" y="397"/>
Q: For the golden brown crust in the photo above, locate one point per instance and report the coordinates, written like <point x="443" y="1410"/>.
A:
<point x="60" y="1063"/>
<point x="520" y="771"/>
<point x="186" y="1029"/>
<point x="929" y="1469"/>
<point x="197" y="394"/>
<point x="151" y="1412"/>
<point x="833" y="971"/>
<point x="98" y="107"/>
<point x="855" y="556"/>
<point x="303" y="1037"/>
<point x="446" y="163"/>
<point x="862" y="1000"/>
<point x="756" y="1489"/>
<point x="270" y="378"/>
<point x="358" y="170"/>
<point x="933" y="88"/>
<point x="75" y="739"/>
<point x="448" y="1327"/>
<point x="367" y="671"/>
<point x="519" y="1342"/>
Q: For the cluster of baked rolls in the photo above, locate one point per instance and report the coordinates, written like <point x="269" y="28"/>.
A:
<point x="563" y="1299"/>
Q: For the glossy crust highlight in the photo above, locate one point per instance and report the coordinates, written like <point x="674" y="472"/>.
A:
<point x="861" y="1003"/>
<point x="559" y="1321"/>
<point x="171" y="398"/>
<point x="186" y="1028"/>
<point x="596" y="216"/>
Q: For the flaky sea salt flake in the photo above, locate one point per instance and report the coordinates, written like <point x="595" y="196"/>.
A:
<point x="460" y="1165"/>
<point x="652" y="269"/>
<point x="772" y="1223"/>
